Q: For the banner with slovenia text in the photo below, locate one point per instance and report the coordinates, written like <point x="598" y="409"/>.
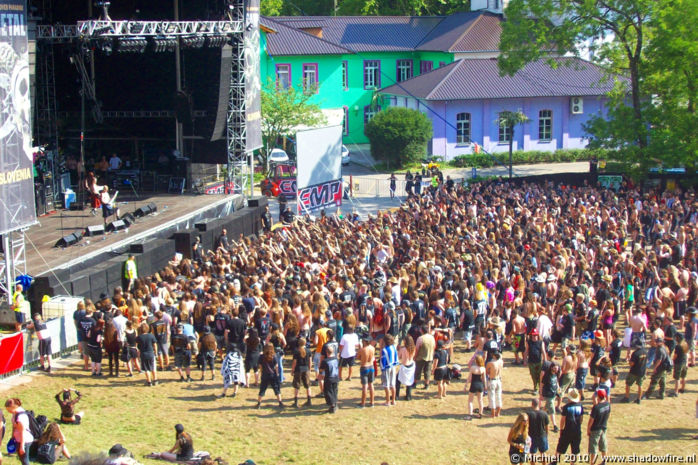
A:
<point x="17" y="208"/>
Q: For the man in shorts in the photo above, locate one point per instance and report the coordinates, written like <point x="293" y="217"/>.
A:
<point x="638" y="330"/>
<point x="538" y="422"/>
<point x="519" y="331"/>
<point x="638" y="368"/>
<point x="549" y="389"/>
<point x="182" y="353"/>
<point x="494" y="383"/>
<point x="596" y="428"/>
<point x="571" y="424"/>
<point x="389" y="365"/>
<point x="366" y="356"/>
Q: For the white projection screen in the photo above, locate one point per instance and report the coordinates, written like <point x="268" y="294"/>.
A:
<point x="319" y="153"/>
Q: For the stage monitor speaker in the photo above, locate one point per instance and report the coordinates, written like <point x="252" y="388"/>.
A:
<point x="94" y="230"/>
<point x="145" y="210"/>
<point x="70" y="239"/>
<point x="129" y="219"/>
<point x="116" y="226"/>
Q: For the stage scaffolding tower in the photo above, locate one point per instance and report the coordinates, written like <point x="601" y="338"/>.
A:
<point x="96" y="32"/>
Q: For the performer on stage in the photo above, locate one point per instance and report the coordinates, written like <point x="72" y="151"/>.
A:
<point x="94" y="190"/>
<point x="108" y="207"/>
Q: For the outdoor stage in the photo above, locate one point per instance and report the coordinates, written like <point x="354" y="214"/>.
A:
<point x="174" y="213"/>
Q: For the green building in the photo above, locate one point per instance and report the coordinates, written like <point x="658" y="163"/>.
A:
<point x="346" y="59"/>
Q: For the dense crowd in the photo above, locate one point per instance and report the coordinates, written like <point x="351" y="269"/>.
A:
<point x="551" y="272"/>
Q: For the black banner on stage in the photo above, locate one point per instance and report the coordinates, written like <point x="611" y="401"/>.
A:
<point x="17" y="208"/>
<point x="253" y="82"/>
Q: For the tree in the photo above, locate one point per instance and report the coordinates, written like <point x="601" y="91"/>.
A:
<point x="509" y="120"/>
<point x="283" y="110"/>
<point x="271" y="7"/>
<point x="399" y="135"/>
<point x="671" y="78"/>
<point x="615" y="31"/>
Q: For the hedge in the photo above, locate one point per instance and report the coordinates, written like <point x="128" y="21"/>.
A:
<point x="483" y="160"/>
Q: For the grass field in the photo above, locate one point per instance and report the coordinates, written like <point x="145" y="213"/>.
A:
<point x="423" y="431"/>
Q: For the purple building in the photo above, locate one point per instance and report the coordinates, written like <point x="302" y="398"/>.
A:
<point x="464" y="99"/>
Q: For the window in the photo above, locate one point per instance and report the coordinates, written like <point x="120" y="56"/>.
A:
<point x="310" y="78"/>
<point x="442" y="64"/>
<point x="345" y="123"/>
<point x="463" y="128"/>
<point x="372" y="74"/>
<point x="283" y="76"/>
<point x="404" y="70"/>
<point x="426" y="66"/>
<point x="504" y="132"/>
<point x="545" y="125"/>
<point x="345" y="75"/>
<point x="369" y="112"/>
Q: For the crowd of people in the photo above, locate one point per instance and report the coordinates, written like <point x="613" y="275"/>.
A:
<point x="551" y="272"/>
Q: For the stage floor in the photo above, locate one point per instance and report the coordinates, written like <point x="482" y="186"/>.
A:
<point x="42" y="256"/>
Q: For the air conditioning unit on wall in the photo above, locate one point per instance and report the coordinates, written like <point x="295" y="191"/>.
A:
<point x="576" y="105"/>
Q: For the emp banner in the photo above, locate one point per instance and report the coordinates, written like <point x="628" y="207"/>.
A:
<point x="17" y="208"/>
<point x="319" y="196"/>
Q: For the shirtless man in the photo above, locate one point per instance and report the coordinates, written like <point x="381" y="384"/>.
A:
<point x="567" y="372"/>
<point x="518" y="328"/>
<point x="494" y="383"/>
<point x="366" y="356"/>
<point x="638" y="327"/>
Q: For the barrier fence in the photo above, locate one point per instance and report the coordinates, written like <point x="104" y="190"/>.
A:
<point x="372" y="187"/>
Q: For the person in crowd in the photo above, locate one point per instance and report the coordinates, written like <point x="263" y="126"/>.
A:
<point x="476" y="380"/>
<point x="534" y="356"/>
<point x="660" y="367"/>
<point x="18" y="304"/>
<point x="571" y="425"/>
<point x="348" y="346"/>
<point x="207" y="352"/>
<point x="112" y="346"/>
<point x="147" y="349"/>
<point x="129" y="354"/>
<point x="440" y="370"/>
<point x="518" y="434"/>
<point x="53" y="433"/>
<point x="425" y="347"/>
<point x="254" y="351"/>
<point x="538" y="422"/>
<point x="680" y="361"/>
<point x="41" y="330"/>
<point x="329" y="369"/>
<point x="182" y="353"/>
<point x="367" y="373"/>
<point x="494" y="383"/>
<point x="300" y="369"/>
<point x="389" y="366"/>
<point x="181" y="451"/>
<point x="94" y="346"/>
<point x="67" y="405"/>
<point x="269" y="366"/>
<point x="405" y="375"/>
<point x="21" y="432"/>
<point x="597" y="425"/>
<point x="233" y="371"/>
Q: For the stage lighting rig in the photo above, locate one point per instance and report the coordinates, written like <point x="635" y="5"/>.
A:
<point x="104" y="5"/>
<point x="133" y="44"/>
<point x="165" y="44"/>
<point x="216" y="41"/>
<point x="193" y="42"/>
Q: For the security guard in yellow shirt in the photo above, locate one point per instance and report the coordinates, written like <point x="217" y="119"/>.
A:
<point x="130" y="272"/>
<point x="18" y="304"/>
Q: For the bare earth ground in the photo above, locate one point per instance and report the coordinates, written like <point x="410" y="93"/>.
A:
<point x="423" y="431"/>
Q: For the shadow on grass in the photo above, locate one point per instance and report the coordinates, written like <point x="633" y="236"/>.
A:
<point x="203" y="398"/>
<point x="661" y="433"/>
<point x="437" y="416"/>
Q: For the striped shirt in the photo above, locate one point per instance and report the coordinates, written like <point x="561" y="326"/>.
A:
<point x="388" y="357"/>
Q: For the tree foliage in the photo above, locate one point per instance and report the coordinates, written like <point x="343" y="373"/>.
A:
<point x="399" y="136"/>
<point x="283" y="110"/>
<point x="615" y="31"/>
<point x="271" y="7"/>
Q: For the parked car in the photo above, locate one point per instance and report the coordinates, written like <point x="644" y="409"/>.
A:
<point x="346" y="158"/>
<point x="278" y="156"/>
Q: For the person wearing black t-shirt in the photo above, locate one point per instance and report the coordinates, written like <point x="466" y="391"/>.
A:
<point x="571" y="424"/>
<point x="636" y="375"/>
<point x="329" y="368"/>
<point x="596" y="428"/>
<point x="301" y="368"/>
<point x="182" y="353"/>
<point x="147" y="347"/>
<point x="538" y="422"/>
<point x="680" y="366"/>
<point x="41" y="330"/>
<point x="235" y="332"/>
<point x="534" y="356"/>
<point x="161" y="331"/>
<point x="660" y="367"/>
<point x="550" y="388"/>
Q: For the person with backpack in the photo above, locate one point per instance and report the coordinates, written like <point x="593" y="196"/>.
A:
<point x="661" y="366"/>
<point x="22" y="431"/>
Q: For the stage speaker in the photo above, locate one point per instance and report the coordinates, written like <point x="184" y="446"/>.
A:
<point x="116" y="226"/>
<point x="129" y="219"/>
<point x="94" y="230"/>
<point x="145" y="210"/>
<point x="70" y="239"/>
<point x="257" y="202"/>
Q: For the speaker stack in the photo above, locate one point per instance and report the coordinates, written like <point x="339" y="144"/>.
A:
<point x="117" y="225"/>
<point x="94" y="230"/>
<point x="145" y="210"/>
<point x="70" y="239"/>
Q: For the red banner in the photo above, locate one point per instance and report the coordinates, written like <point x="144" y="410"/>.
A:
<point x="11" y="353"/>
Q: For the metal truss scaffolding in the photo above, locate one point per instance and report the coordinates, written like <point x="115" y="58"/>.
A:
<point x="12" y="262"/>
<point x="98" y="28"/>
<point x="236" y="131"/>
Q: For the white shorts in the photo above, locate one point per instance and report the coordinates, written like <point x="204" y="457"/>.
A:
<point x="388" y="377"/>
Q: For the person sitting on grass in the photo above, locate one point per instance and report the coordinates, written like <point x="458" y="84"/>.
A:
<point x="182" y="450"/>
<point x="67" y="405"/>
<point x="53" y="433"/>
